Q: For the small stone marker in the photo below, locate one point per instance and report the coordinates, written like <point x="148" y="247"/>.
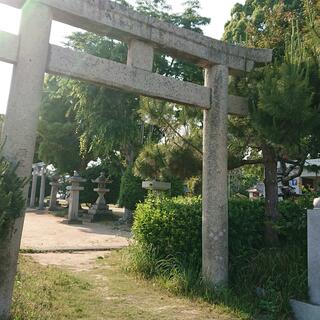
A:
<point x="311" y="311"/>
<point x="74" y="189"/>
<point x="54" y="190"/>
<point x="156" y="185"/>
<point x="100" y="209"/>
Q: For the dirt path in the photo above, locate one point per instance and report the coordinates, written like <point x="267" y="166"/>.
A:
<point x="113" y="294"/>
<point x="44" y="231"/>
<point x="123" y="297"/>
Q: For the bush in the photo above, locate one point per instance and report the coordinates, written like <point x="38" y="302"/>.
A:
<point x="12" y="201"/>
<point x="262" y="280"/>
<point x="131" y="192"/>
<point x="172" y="226"/>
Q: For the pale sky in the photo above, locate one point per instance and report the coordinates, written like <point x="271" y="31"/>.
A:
<point x="217" y="10"/>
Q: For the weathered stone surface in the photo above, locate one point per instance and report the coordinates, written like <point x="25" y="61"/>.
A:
<point x="140" y="55"/>
<point x="121" y="76"/>
<point x="316" y="203"/>
<point x="107" y="17"/>
<point x="74" y="189"/>
<point x="33" y="187"/>
<point x="314" y="255"/>
<point x="53" y="195"/>
<point x="20" y="126"/>
<point x="156" y="185"/>
<point x="42" y="188"/>
<point x="105" y="72"/>
<point x="305" y="311"/>
<point x="9" y="47"/>
<point x="215" y="159"/>
<point x="14" y="3"/>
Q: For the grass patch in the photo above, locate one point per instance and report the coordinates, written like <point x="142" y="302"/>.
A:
<point x="104" y="292"/>
<point x="261" y="282"/>
<point x="49" y="293"/>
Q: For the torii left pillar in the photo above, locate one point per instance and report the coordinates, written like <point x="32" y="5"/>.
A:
<point x="20" y="127"/>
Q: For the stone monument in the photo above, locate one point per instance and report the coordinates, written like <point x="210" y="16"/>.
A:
<point x="74" y="189"/>
<point x="99" y="211"/>
<point x="54" y="190"/>
<point x="311" y="310"/>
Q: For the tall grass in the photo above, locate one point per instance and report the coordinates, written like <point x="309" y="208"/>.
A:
<point x="261" y="282"/>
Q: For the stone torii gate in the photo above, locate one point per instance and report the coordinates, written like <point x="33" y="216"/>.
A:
<point x="32" y="56"/>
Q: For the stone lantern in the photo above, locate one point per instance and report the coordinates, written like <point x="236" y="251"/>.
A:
<point x="100" y="209"/>
<point x="54" y="190"/>
<point x="74" y="198"/>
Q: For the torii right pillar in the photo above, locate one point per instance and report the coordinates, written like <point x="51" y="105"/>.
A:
<point x="215" y="186"/>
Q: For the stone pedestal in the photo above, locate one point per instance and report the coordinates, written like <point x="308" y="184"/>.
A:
<point x="53" y="196"/>
<point x="74" y="189"/>
<point x="42" y="188"/>
<point x="99" y="211"/>
<point x="33" y="186"/>
<point x="311" y="311"/>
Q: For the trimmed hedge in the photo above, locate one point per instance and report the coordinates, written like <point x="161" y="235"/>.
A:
<point x="172" y="226"/>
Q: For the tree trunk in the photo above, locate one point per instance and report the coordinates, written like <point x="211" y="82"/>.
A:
<point x="271" y="195"/>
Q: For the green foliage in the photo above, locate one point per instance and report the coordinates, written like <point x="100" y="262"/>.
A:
<point x="260" y="285"/>
<point x="58" y="139"/>
<point x="262" y="280"/>
<point x="12" y="201"/>
<point x="131" y="192"/>
<point x="170" y="225"/>
<point x="245" y="225"/>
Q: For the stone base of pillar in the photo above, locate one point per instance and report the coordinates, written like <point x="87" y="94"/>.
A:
<point x="305" y="311"/>
<point x="96" y="215"/>
<point x="74" y="221"/>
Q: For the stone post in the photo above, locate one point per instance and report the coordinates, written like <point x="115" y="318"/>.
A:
<point x="42" y="188"/>
<point x="33" y="186"/>
<point x="215" y="176"/>
<point x="314" y="256"/>
<point x="20" y="126"/>
<point x="74" y="189"/>
<point x="303" y="310"/>
<point x="54" y="190"/>
<point x="140" y="55"/>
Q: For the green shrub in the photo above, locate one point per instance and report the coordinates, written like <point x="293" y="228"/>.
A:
<point x="262" y="280"/>
<point x="172" y="226"/>
<point x="131" y="192"/>
<point x="177" y="186"/>
<point x="12" y="201"/>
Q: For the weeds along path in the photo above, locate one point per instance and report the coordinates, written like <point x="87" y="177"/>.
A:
<point x="99" y="289"/>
